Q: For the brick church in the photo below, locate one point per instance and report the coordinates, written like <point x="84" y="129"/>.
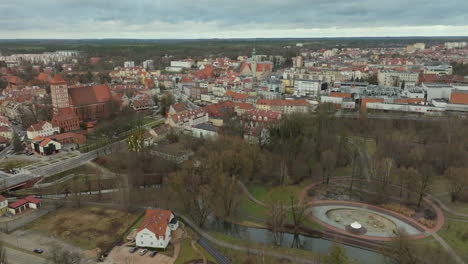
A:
<point x="75" y="104"/>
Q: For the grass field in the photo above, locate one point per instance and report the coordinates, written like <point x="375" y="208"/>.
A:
<point x="281" y="194"/>
<point x="455" y="233"/>
<point x="15" y="164"/>
<point x="86" y="227"/>
<point x="83" y="169"/>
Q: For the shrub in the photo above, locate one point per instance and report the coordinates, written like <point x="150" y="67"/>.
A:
<point x="427" y="222"/>
<point x="400" y="209"/>
<point x="464" y="237"/>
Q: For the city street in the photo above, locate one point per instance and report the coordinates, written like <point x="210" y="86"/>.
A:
<point x="20" y="257"/>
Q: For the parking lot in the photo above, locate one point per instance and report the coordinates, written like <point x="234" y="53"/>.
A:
<point x="121" y="254"/>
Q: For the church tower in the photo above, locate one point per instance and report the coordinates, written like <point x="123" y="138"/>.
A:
<point x="254" y="63"/>
<point x="59" y="93"/>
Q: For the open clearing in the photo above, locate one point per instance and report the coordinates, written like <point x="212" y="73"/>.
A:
<point x="86" y="227"/>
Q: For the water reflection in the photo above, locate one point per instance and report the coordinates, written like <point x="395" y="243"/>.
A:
<point x="265" y="236"/>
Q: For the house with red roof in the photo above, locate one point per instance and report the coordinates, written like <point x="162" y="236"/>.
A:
<point x="188" y="119"/>
<point x="177" y="108"/>
<point x="45" y="146"/>
<point x="22" y="205"/>
<point x="284" y="106"/>
<point x="155" y="230"/>
<point x="255" y="123"/>
<point x="43" y="128"/>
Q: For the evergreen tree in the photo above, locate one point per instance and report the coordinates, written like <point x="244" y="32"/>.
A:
<point x="17" y="144"/>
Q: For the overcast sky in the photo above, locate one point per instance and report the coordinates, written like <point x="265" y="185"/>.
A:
<point x="155" y="19"/>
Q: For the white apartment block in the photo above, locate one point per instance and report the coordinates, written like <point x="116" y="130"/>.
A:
<point x="396" y="78"/>
<point x="307" y="87"/>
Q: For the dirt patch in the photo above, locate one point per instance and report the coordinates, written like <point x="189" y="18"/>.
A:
<point x="91" y="228"/>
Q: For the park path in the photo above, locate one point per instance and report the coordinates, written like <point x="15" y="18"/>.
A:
<point x="438" y="206"/>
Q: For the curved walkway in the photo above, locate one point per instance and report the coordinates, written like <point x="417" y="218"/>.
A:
<point x="430" y="199"/>
<point x="408" y="220"/>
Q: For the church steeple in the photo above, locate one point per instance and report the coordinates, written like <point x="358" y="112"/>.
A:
<point x="254" y="54"/>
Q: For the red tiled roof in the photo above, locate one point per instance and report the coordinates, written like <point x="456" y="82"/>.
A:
<point x="38" y="126"/>
<point x="64" y="114"/>
<point x="283" y="102"/>
<point x="459" y="97"/>
<point x="57" y="80"/>
<point x="235" y="95"/>
<point x="189" y="114"/>
<point x="15" y="80"/>
<point x="43" y="76"/>
<point x="179" y="107"/>
<point x="86" y="95"/>
<point x="244" y="106"/>
<point x="270" y="115"/>
<point x="32" y="199"/>
<point x="343" y="95"/>
<point x="67" y="135"/>
<point x="45" y="142"/>
<point x="156" y="221"/>
<point x="18" y="203"/>
<point x="2" y="198"/>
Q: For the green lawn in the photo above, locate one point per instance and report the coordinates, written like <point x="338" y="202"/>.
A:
<point x="455" y="233"/>
<point x="277" y="193"/>
<point x="15" y="164"/>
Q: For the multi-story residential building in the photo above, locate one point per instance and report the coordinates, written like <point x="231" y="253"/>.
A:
<point x="188" y="119"/>
<point x="388" y="78"/>
<point x="155" y="230"/>
<point x="43" y="129"/>
<point x="128" y="64"/>
<point x="307" y="87"/>
<point x="148" y="65"/>
<point x="183" y="63"/>
<point x="284" y="106"/>
<point x="439" y="70"/>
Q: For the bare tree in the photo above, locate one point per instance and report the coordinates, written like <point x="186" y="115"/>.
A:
<point x="401" y="249"/>
<point x="276" y="220"/>
<point x="458" y="179"/>
<point x="60" y="255"/>
<point x="298" y="212"/>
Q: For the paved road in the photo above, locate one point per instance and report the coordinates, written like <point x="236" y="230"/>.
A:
<point x="20" y="257"/>
<point x="392" y="117"/>
<point x="61" y="166"/>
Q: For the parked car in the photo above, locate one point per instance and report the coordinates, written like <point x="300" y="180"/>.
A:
<point x="38" y="251"/>
<point x="133" y="249"/>
<point x="153" y="253"/>
<point x="143" y="252"/>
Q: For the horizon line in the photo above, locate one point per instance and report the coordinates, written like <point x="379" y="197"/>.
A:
<point x="244" y="38"/>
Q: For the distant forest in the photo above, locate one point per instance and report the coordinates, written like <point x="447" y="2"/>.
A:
<point x="115" y="51"/>
<point x="141" y="50"/>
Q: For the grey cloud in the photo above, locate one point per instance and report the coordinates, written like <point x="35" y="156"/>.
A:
<point x="51" y="14"/>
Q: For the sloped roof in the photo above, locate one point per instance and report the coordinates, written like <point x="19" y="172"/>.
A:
<point x="283" y="102"/>
<point x="43" y="76"/>
<point x="57" y="80"/>
<point x="156" y="221"/>
<point x="86" y="95"/>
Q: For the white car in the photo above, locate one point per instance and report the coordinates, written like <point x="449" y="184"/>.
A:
<point x="143" y="252"/>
